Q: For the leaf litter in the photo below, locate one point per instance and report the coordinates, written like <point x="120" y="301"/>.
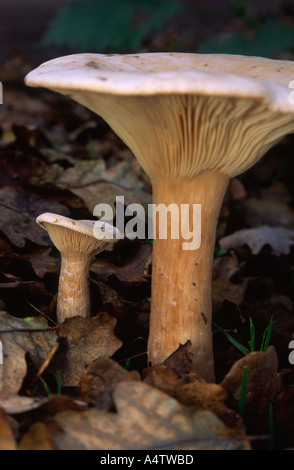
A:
<point x="86" y="384"/>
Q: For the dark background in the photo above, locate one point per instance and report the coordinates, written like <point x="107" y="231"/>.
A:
<point x="24" y="23"/>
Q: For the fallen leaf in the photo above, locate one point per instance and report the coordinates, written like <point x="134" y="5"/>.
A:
<point x="29" y="293"/>
<point x="133" y="270"/>
<point x="224" y="289"/>
<point x="17" y="344"/>
<point x="180" y="361"/>
<point x="82" y="341"/>
<point x="263" y="377"/>
<point x="39" y="437"/>
<point x="213" y="397"/>
<point x="7" y="439"/>
<point x="163" y="378"/>
<point x="17" y="404"/>
<point x="226" y="266"/>
<point x="18" y="165"/>
<point x="20" y="108"/>
<point x="19" y="210"/>
<point x="256" y="212"/>
<point x="107" y="192"/>
<point x="94" y="184"/>
<point x="280" y="239"/>
<point x="145" y="418"/>
<point x="43" y="263"/>
<point x="6" y="250"/>
<point x="100" y="379"/>
<point x="193" y="392"/>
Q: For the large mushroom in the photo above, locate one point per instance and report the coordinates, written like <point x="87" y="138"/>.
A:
<point x="77" y="241"/>
<point x="193" y="121"/>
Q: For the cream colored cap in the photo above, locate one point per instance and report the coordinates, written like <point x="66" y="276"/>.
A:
<point x="86" y="236"/>
<point x="182" y="114"/>
<point x="165" y="73"/>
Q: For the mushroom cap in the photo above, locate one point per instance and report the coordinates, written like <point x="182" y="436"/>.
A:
<point x="87" y="237"/>
<point x="165" y="73"/>
<point x="182" y="113"/>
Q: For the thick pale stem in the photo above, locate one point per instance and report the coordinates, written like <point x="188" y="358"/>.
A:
<point x="74" y="291"/>
<point x="181" y="279"/>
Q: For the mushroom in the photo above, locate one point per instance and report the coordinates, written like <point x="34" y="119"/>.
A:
<point x="193" y="121"/>
<point x="77" y="241"/>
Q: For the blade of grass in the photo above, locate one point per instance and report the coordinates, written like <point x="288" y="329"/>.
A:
<point x="47" y="390"/>
<point x="267" y="335"/>
<point x="59" y="384"/>
<point x="236" y="343"/>
<point x="128" y="364"/>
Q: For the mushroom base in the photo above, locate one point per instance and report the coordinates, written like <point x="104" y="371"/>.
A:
<point x="181" y="279"/>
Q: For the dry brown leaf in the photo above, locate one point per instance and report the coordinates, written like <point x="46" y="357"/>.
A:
<point x="43" y="263"/>
<point x="146" y="418"/>
<point x="106" y="193"/>
<point x="19" y="107"/>
<point x="19" y="209"/>
<point x="17" y="404"/>
<point x="263" y="378"/>
<point x="222" y="286"/>
<point x="193" y="392"/>
<point x="100" y="379"/>
<point x="163" y="378"/>
<point x="134" y="270"/>
<point x="7" y="439"/>
<point x="280" y="239"/>
<point x="225" y="266"/>
<point x="17" y="165"/>
<point x="180" y="361"/>
<point x="274" y="213"/>
<point x="94" y="184"/>
<point x="17" y="344"/>
<point x="82" y="341"/>
<point x="224" y="289"/>
<point x="38" y="437"/>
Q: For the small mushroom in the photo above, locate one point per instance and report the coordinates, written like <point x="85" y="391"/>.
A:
<point x="193" y="121"/>
<point x="77" y="241"/>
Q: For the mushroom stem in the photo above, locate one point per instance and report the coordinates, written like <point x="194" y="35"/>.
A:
<point x="181" y="279"/>
<point x="74" y="290"/>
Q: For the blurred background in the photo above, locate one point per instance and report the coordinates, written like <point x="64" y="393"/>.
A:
<point x="39" y="30"/>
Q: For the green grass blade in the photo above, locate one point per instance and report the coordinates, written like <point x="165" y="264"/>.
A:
<point x="47" y="390"/>
<point x="236" y="343"/>
<point x="267" y="335"/>
<point x="128" y="364"/>
<point x="59" y="384"/>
